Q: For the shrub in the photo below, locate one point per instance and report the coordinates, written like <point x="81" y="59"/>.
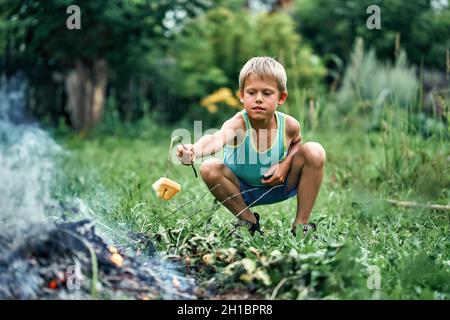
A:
<point x="369" y="84"/>
<point x="209" y="52"/>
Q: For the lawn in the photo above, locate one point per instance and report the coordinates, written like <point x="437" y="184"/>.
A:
<point x="364" y="248"/>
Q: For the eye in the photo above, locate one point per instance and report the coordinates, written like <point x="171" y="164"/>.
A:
<point x="267" y="93"/>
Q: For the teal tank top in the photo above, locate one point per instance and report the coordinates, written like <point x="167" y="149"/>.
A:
<point x="247" y="163"/>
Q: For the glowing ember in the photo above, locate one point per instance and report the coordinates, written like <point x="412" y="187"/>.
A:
<point x="117" y="259"/>
<point x="113" y="249"/>
<point x="53" y="284"/>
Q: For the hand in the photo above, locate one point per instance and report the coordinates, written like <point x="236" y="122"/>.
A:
<point x="278" y="173"/>
<point x="186" y="154"/>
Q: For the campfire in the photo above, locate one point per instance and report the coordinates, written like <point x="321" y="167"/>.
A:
<point x="70" y="261"/>
<point x="43" y="259"/>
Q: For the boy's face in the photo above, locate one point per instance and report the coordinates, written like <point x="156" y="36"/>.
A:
<point x="261" y="97"/>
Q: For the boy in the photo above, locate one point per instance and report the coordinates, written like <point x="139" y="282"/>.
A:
<point x="264" y="159"/>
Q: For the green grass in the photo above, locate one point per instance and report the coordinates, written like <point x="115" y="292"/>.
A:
<point x="357" y="230"/>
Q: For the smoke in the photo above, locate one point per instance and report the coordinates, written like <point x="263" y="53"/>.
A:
<point x="26" y="164"/>
<point x="29" y="158"/>
<point x="28" y="173"/>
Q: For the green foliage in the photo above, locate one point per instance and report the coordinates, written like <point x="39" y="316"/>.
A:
<point x="356" y="228"/>
<point x="331" y="27"/>
<point x="164" y="56"/>
<point x="381" y="97"/>
<point x="210" y="50"/>
<point x="368" y="84"/>
<point x="36" y="40"/>
<point x="125" y="28"/>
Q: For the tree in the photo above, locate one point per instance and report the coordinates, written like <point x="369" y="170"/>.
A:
<point x="209" y="52"/>
<point x="112" y="34"/>
<point x="419" y="26"/>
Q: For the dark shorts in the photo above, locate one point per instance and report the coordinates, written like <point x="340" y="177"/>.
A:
<point x="256" y="196"/>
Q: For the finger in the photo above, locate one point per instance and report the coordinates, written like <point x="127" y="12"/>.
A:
<point x="179" y="151"/>
<point x="276" y="182"/>
<point x="186" y="161"/>
<point x="269" y="172"/>
<point x="268" y="181"/>
<point x="188" y="157"/>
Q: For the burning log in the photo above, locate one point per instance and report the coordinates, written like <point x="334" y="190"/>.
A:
<point x="70" y="261"/>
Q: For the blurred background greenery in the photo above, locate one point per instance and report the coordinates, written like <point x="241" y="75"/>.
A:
<point x="177" y="60"/>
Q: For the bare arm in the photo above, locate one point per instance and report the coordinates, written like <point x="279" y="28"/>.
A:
<point x="295" y="143"/>
<point x="280" y="170"/>
<point x="211" y="143"/>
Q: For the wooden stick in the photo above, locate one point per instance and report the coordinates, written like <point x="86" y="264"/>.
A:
<point x="410" y="204"/>
<point x="192" y="164"/>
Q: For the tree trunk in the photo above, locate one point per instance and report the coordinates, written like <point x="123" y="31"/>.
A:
<point x="86" y="92"/>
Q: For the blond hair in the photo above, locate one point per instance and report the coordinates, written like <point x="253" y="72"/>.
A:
<point x="264" y="67"/>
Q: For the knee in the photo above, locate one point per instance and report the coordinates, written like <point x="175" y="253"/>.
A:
<point x="314" y="154"/>
<point x="211" y="169"/>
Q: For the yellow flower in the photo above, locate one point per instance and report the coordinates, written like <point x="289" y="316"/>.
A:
<point x="222" y="95"/>
<point x="212" y="108"/>
<point x="232" y="102"/>
<point x="206" y="101"/>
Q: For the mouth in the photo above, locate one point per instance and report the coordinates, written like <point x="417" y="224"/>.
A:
<point x="258" y="109"/>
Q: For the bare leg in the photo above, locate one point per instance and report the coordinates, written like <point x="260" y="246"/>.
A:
<point x="306" y="172"/>
<point x="214" y="172"/>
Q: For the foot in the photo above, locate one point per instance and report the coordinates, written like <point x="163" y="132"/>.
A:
<point x="252" y="227"/>
<point x="306" y="228"/>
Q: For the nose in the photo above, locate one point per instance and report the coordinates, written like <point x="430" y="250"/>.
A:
<point x="258" y="97"/>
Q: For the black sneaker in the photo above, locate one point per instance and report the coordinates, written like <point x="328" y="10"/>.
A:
<point x="252" y="227"/>
<point x="306" y="228"/>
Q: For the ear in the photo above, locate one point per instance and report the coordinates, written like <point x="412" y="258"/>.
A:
<point x="241" y="96"/>
<point x="282" y="98"/>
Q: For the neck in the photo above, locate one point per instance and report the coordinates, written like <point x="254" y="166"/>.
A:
<point x="263" y="123"/>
